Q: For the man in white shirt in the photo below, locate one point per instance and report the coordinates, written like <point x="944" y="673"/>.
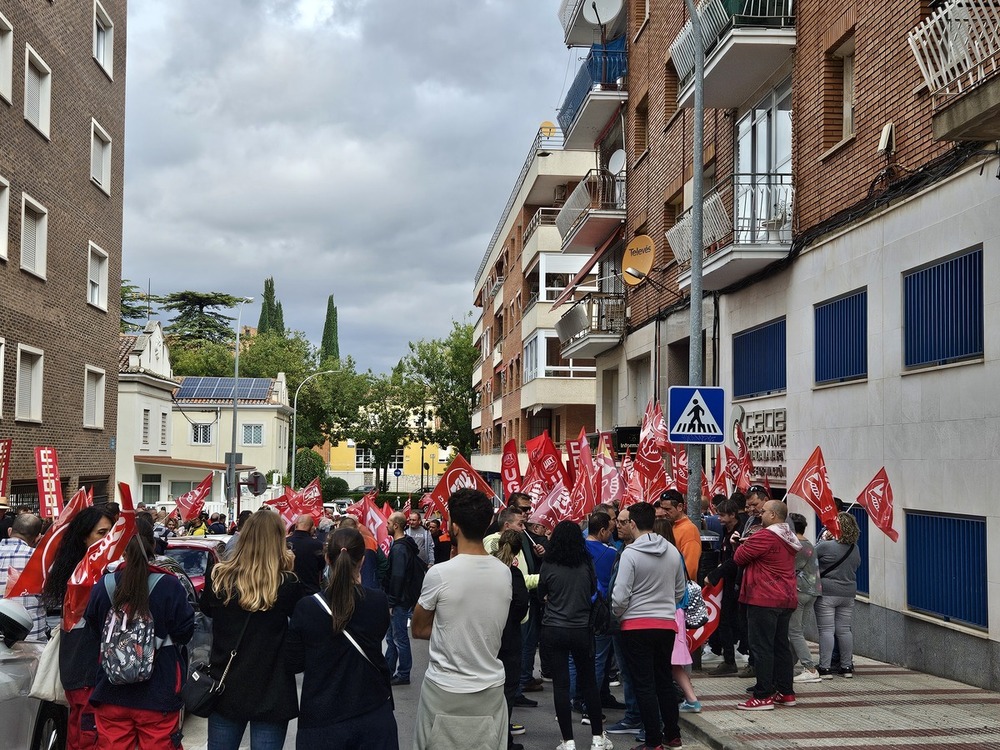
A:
<point x="462" y="610"/>
<point x="15" y="552"/>
<point x="423" y="538"/>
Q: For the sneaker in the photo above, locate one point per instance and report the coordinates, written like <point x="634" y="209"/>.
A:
<point x="532" y="687"/>
<point x="747" y="672"/>
<point x="624" y="727"/>
<point x="578" y="707"/>
<point x="586" y="719"/>
<point x="723" y="669"/>
<point x="615" y="683"/>
<point x="641" y="736"/>
<point x="534" y="681"/>
<point x="690" y="707"/>
<point x="784" y="700"/>
<point x="566" y="745"/>
<point x="611" y="702"/>
<point x="521" y="702"/>
<point x="847" y="672"/>
<point x="756" y="704"/>
<point x="601" y="742"/>
<point x="825" y="674"/>
<point x="676" y="742"/>
<point x="516" y="729"/>
<point x="807" y="675"/>
<point x="397" y="680"/>
<point x="546" y="677"/>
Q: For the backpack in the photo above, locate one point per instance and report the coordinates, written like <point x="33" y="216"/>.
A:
<point x="416" y="569"/>
<point x="128" y="643"/>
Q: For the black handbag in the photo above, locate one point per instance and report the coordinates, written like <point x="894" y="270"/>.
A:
<point x="201" y="691"/>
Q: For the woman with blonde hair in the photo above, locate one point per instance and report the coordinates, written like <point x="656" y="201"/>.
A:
<point x="250" y="597"/>
<point x="838" y="561"/>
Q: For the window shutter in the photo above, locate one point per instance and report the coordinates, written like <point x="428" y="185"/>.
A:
<point x="97" y="159"/>
<point x="145" y="426"/>
<point x="29" y="239"/>
<point x="33" y="94"/>
<point x="90" y="400"/>
<point x="24" y="378"/>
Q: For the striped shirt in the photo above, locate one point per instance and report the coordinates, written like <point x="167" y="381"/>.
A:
<point x="14" y="554"/>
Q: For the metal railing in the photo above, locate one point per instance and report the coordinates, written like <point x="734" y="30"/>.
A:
<point x="601" y="70"/>
<point x="568" y="11"/>
<point x="717" y="17"/>
<point x="604" y="313"/>
<point x="544" y="217"/>
<point x="599" y="190"/>
<point x="957" y="47"/>
<point x="545" y="140"/>
<point x="744" y="210"/>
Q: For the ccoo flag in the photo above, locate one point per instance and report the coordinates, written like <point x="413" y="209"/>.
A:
<point x="876" y="499"/>
<point x="813" y="485"/>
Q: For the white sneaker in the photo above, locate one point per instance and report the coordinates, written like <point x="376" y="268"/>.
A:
<point x="601" y="743"/>
<point x="566" y="745"/>
<point x="807" y="675"/>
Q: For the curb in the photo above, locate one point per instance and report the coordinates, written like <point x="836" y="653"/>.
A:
<point x="706" y="732"/>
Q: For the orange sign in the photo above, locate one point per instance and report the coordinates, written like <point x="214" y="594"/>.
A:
<point x="639" y="256"/>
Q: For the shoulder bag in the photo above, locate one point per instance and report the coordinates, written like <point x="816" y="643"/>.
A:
<point x="47" y="685"/>
<point x="201" y="691"/>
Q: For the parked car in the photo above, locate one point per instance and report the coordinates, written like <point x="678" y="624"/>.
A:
<point x="364" y="489"/>
<point x="196" y="555"/>
<point x="28" y="723"/>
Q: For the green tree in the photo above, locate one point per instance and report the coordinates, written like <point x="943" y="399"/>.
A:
<point x="329" y="404"/>
<point x="197" y="317"/>
<point x="135" y="307"/>
<point x="443" y="369"/>
<point x="330" y="346"/>
<point x="272" y="319"/>
<point x="206" y="358"/>
<point x="308" y="465"/>
<point x="269" y="353"/>
<point x="383" y="422"/>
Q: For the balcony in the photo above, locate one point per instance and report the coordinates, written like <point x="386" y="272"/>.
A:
<point x="747" y="225"/>
<point x="592" y="326"/>
<point x="958" y="51"/>
<point x="592" y="212"/>
<point x="540" y="236"/>
<point x="746" y="41"/>
<point x="556" y="392"/>
<point x="595" y="96"/>
<point x="578" y="31"/>
<point x="477" y="418"/>
<point x="497" y="408"/>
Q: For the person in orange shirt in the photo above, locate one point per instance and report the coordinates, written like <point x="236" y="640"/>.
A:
<point x="686" y="535"/>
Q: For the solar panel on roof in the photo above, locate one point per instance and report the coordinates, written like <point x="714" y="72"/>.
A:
<point x="187" y="387"/>
<point x="205" y="388"/>
<point x="260" y="388"/>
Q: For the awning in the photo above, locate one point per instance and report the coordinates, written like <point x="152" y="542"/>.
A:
<point x="587" y="267"/>
<point x="186" y="463"/>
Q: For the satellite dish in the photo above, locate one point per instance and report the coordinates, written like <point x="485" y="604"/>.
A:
<point x="617" y="162"/>
<point x="548" y="129"/>
<point x="599" y="12"/>
<point x="638" y="259"/>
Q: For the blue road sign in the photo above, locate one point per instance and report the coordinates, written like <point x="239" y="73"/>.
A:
<point x="397" y="472"/>
<point x="695" y="415"/>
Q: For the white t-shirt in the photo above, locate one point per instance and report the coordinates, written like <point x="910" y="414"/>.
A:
<point x="470" y="596"/>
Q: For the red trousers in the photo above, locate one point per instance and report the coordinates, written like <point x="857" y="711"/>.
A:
<point x="124" y="728"/>
<point x="81" y="732"/>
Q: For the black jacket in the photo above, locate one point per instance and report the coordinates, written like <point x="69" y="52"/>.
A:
<point x="399" y="563"/>
<point x="309" y="561"/>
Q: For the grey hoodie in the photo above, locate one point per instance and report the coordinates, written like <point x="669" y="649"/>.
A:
<point x="650" y="581"/>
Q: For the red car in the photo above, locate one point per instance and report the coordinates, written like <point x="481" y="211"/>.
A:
<point x="195" y="554"/>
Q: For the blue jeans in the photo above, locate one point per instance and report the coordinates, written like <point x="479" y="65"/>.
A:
<point x="632" y="715"/>
<point x="398" y="645"/>
<point x="225" y="734"/>
<point x="529" y="644"/>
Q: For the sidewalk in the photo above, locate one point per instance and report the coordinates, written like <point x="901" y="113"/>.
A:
<point x="883" y="706"/>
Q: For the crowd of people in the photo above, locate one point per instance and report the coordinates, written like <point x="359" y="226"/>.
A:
<point x="593" y="604"/>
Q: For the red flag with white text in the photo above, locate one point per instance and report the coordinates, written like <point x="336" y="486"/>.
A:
<point x="50" y="498"/>
<point x="510" y="470"/>
<point x="742" y="451"/>
<point x="583" y="498"/>
<point x="713" y="603"/>
<point x="719" y="480"/>
<point x="376" y="523"/>
<point x="679" y="467"/>
<point x="457" y="476"/>
<point x="5" y="448"/>
<point x="876" y="499"/>
<point x="190" y="504"/>
<point x="552" y="508"/>
<point x="610" y="478"/>
<point x="813" y="485"/>
<point x="546" y="460"/>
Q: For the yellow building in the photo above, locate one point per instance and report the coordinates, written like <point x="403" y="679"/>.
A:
<point x="354" y="464"/>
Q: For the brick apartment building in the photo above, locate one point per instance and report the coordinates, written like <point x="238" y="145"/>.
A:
<point x="851" y="294"/>
<point x="62" y="127"/>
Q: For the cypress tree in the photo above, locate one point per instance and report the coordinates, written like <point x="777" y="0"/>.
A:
<point x="269" y="310"/>
<point x="330" y="346"/>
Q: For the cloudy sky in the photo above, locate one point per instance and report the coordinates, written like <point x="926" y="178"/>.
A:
<point x="360" y="148"/>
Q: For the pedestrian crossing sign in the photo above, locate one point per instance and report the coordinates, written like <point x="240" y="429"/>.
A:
<point x="695" y="414"/>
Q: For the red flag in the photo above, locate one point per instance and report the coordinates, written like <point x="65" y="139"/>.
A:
<point x="50" y="499"/>
<point x="658" y="427"/>
<point x="742" y="451"/>
<point x="358" y="509"/>
<point x="190" y="504"/>
<point x="876" y="499"/>
<point x="633" y="492"/>
<point x="582" y="497"/>
<point x="5" y="446"/>
<point x="32" y="578"/>
<point x="534" y="486"/>
<point x="767" y="486"/>
<point x="308" y="502"/>
<point x="713" y="603"/>
<point x="610" y="478"/>
<point x="408" y="508"/>
<point x="572" y="460"/>
<point x="627" y="466"/>
<point x="510" y="471"/>
<point x="552" y="508"/>
<point x="706" y="491"/>
<point x="607" y="439"/>
<point x="93" y="565"/>
<point x="737" y="476"/>
<point x="546" y="460"/>
<point x="647" y="455"/>
<point x="376" y="523"/>
<point x="719" y="480"/>
<point x="679" y="467"/>
<point x="458" y="475"/>
<point x="813" y="485"/>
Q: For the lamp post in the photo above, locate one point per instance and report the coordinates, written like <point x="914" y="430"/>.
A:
<point x="295" y="416"/>
<point x="231" y="468"/>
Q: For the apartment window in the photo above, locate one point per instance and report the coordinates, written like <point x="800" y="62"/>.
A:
<point x="30" y="365"/>
<point x="145" y="426"/>
<point x="669" y="91"/>
<point x="841" y="338"/>
<point x="100" y="156"/>
<point x="97" y="277"/>
<point x="104" y="38"/>
<point x="181" y="488"/>
<point x="37" y="91"/>
<point x="151" y="489"/>
<point x="759" y="360"/>
<point x="531" y="360"/>
<point x="253" y="434"/>
<point x="201" y="434"/>
<point x="93" y="397"/>
<point x="6" y="60"/>
<point x="4" y="216"/>
<point x="34" y="235"/>
<point x="641" y="132"/>
<point x="838" y="93"/>
<point x="396" y="462"/>
<point x="640" y="12"/>
<point x="943" y="311"/>
<point x="363" y="458"/>
<point x="163" y="429"/>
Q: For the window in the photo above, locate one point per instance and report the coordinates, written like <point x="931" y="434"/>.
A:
<point x="759" y="360"/>
<point x="104" y="39"/>
<point x="181" y="488"/>
<point x="97" y="277"/>
<point x="34" y="235"/>
<point x="848" y="104"/>
<point x="253" y="434"/>
<point x="841" y="339"/>
<point x="4" y="216"/>
<point x="163" y="429"/>
<point x="641" y="134"/>
<point x="396" y="462"/>
<point x="151" y="488"/>
<point x="640" y="12"/>
<point x="669" y="91"/>
<point x="943" y="311"/>
<point x="201" y="434"/>
<point x="37" y="91"/>
<point x="145" y="426"/>
<point x="838" y="91"/>
<point x="945" y="560"/>
<point x="363" y="458"/>
<point x="93" y="398"/>
<point x="100" y="156"/>
<point x="6" y="59"/>
<point x="30" y="364"/>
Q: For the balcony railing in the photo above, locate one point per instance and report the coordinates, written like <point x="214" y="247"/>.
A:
<point x="717" y="18"/>
<point x="598" y="191"/>
<point x="602" y="70"/>
<point x="544" y="217"/>
<point x="957" y="47"/>
<point x="595" y="313"/>
<point x="568" y="11"/>
<point x="745" y="210"/>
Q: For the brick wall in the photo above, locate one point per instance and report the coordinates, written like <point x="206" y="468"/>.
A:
<point x="53" y="314"/>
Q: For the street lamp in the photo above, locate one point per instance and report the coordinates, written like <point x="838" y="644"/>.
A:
<point x="231" y="468"/>
<point x="295" y="416"/>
